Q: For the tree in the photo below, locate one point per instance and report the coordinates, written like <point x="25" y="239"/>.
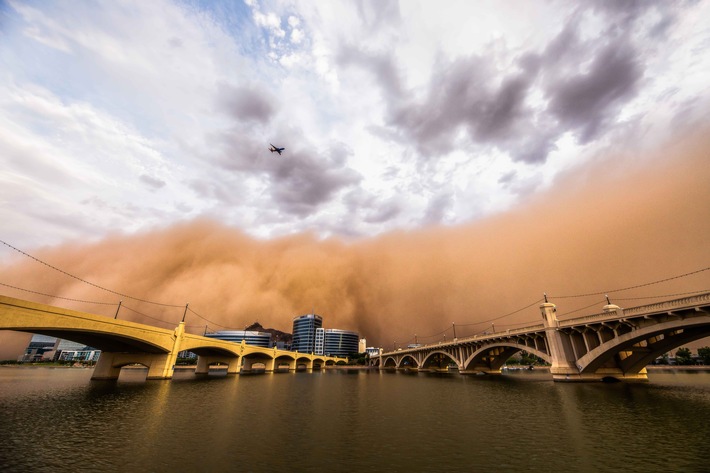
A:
<point x="683" y="357"/>
<point x="704" y="354"/>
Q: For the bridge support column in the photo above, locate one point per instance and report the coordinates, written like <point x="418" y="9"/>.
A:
<point x="110" y="364"/>
<point x="203" y="364"/>
<point x="269" y="365"/>
<point x="105" y="367"/>
<point x="156" y="371"/>
<point x="563" y="360"/>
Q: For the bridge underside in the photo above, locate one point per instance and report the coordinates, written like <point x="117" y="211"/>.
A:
<point x="102" y="341"/>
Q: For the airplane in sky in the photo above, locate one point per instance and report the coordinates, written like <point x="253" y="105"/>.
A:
<point x="274" y="148"/>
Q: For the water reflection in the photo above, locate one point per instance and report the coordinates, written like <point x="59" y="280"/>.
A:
<point x="344" y="421"/>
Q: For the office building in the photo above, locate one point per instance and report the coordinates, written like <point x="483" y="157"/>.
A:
<point x="336" y="342"/>
<point x="362" y="347"/>
<point x="373" y="351"/>
<point x="304" y="332"/>
<point x="258" y="339"/>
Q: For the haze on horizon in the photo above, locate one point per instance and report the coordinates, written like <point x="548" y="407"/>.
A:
<point x="434" y="173"/>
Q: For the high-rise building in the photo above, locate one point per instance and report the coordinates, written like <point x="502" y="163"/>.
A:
<point x="259" y="339"/>
<point x="338" y="342"/>
<point x="304" y="332"/>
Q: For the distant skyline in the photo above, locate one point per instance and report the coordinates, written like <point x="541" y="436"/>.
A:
<point x="122" y="117"/>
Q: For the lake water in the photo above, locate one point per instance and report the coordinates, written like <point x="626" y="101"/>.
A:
<point x="58" y="420"/>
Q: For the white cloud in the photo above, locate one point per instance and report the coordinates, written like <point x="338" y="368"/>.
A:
<point x="403" y="115"/>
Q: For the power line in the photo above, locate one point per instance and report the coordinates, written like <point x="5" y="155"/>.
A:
<point x="582" y="308"/>
<point x="84" y="280"/>
<point x="633" y="287"/>
<point x="208" y="320"/>
<point x="148" y="316"/>
<point x="504" y="316"/>
<point x="658" y="297"/>
<point x="57" y="297"/>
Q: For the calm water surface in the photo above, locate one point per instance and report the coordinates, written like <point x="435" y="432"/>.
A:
<point x="58" y="420"/>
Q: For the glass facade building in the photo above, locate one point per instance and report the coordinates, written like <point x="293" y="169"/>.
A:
<point x="338" y="342"/>
<point x="258" y="339"/>
<point x="304" y="332"/>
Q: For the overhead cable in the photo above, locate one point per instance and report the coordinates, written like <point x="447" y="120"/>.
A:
<point x="85" y="281"/>
<point x="57" y="297"/>
<point x="632" y="287"/>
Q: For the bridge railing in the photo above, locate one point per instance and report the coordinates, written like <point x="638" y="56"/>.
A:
<point x="473" y="338"/>
<point x="668" y="305"/>
<point x="641" y="310"/>
<point x="697" y="300"/>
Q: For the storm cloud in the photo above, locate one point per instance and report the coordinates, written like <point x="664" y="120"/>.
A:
<point x="643" y="224"/>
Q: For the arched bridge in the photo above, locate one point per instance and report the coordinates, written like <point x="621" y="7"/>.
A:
<point x="123" y="343"/>
<point x="616" y="343"/>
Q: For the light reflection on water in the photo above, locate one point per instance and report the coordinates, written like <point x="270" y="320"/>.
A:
<point x="59" y="420"/>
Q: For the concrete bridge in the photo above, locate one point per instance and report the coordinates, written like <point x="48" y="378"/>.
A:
<point x="123" y="343"/>
<point x="616" y="343"/>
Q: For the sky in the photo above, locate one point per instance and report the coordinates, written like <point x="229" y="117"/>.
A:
<point x="409" y="127"/>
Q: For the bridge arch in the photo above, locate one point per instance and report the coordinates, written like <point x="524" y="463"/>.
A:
<point x="104" y="340"/>
<point x="493" y="356"/>
<point x="439" y="355"/>
<point x="285" y="362"/>
<point x="408" y="361"/>
<point x="390" y="362"/>
<point x="631" y="352"/>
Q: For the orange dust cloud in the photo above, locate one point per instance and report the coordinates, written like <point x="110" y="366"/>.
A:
<point x="615" y="223"/>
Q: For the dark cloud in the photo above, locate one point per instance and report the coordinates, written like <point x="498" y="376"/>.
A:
<point x="437" y="208"/>
<point x="467" y="93"/>
<point x="246" y="103"/>
<point x="152" y="182"/>
<point x="384" y="211"/>
<point x="585" y="83"/>
<point x="381" y="65"/>
<point x="376" y="14"/>
<point x="304" y="181"/>
<point x="299" y="181"/>
<point x="586" y="100"/>
<point x="508" y="177"/>
<point x="625" y="15"/>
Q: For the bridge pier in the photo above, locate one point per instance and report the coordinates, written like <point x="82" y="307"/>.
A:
<point x="564" y="360"/>
<point x="110" y="364"/>
<point x="203" y="364"/>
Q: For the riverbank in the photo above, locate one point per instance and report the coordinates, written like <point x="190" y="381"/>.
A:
<point x="678" y="367"/>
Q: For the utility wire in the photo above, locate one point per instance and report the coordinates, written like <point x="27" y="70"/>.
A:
<point x="57" y="297"/>
<point x="582" y="308"/>
<point x="503" y="316"/>
<point x="206" y="319"/>
<point x="633" y="287"/>
<point x="85" y="281"/>
<point x="148" y="316"/>
<point x="658" y="297"/>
